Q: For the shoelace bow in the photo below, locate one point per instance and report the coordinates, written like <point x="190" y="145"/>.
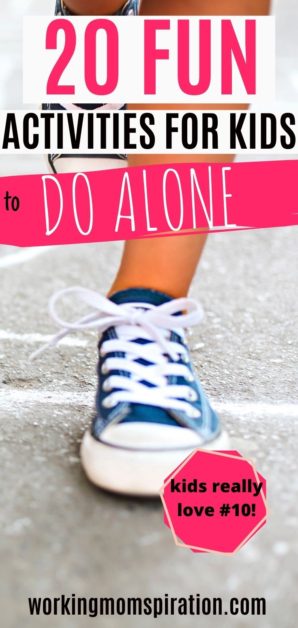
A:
<point x="138" y="320"/>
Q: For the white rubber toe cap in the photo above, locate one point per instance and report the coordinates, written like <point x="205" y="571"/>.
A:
<point x="135" y="458"/>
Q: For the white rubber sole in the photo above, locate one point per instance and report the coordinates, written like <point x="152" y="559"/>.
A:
<point x="135" y="472"/>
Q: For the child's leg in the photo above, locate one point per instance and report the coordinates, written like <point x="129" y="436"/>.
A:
<point x="205" y="7"/>
<point x="168" y="264"/>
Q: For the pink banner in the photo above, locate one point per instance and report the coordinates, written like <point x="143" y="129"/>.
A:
<point x="140" y="202"/>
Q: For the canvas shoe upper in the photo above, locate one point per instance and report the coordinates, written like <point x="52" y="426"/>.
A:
<point x="151" y="410"/>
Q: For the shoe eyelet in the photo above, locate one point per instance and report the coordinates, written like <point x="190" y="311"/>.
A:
<point x="109" y="402"/>
<point x="194" y="413"/>
<point x="106" y="386"/>
<point x="104" y="369"/>
<point x="192" y="395"/>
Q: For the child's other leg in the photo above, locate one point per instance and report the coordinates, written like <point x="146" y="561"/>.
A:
<point x="77" y="162"/>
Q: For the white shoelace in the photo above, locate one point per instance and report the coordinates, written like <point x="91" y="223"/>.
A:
<point x="138" y="321"/>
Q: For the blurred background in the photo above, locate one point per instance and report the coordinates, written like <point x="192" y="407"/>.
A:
<point x="61" y="535"/>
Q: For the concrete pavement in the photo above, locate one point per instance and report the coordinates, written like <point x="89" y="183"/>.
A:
<point x="59" y="534"/>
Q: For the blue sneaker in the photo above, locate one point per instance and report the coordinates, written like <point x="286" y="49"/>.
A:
<point x="151" y="410"/>
<point x="72" y="162"/>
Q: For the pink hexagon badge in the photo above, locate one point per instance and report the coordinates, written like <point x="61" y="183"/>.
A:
<point x="215" y="501"/>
